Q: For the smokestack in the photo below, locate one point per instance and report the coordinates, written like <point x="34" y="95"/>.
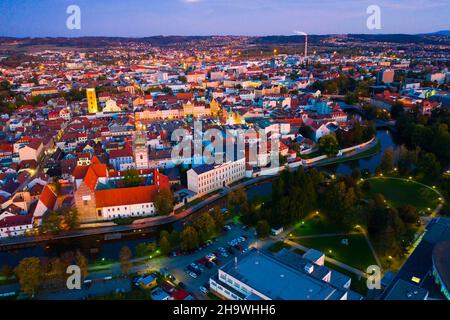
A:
<point x="306" y="47"/>
<point x="301" y="33"/>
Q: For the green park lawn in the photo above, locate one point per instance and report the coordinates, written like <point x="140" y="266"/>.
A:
<point x="277" y="246"/>
<point x="401" y="192"/>
<point x="356" y="254"/>
<point x="315" y="225"/>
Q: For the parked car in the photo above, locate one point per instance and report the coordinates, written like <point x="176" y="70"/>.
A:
<point x="181" y="285"/>
<point x="209" y="265"/>
<point x="193" y="274"/>
<point x="203" y="290"/>
<point x="230" y="250"/>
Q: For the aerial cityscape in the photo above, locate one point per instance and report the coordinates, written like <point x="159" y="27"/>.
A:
<point x="218" y="158"/>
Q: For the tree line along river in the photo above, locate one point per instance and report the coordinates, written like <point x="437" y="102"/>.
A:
<point x="96" y="247"/>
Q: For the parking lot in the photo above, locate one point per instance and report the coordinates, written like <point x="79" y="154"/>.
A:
<point x="178" y="266"/>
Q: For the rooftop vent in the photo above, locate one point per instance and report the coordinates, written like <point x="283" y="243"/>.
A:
<point x="309" y="268"/>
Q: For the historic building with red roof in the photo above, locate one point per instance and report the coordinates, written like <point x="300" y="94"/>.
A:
<point x="101" y="195"/>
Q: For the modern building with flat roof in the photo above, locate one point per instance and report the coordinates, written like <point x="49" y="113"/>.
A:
<point x="285" y="276"/>
<point x="427" y="268"/>
<point x="441" y="267"/>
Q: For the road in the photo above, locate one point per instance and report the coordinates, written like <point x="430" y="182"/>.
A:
<point x="176" y="266"/>
<point x="151" y="222"/>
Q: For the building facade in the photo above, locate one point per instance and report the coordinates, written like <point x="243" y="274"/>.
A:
<point x="208" y="178"/>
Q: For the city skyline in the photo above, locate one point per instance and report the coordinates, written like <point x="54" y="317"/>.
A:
<point x="138" y="18"/>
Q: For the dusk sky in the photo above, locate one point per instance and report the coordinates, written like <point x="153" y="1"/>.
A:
<point x="139" y="18"/>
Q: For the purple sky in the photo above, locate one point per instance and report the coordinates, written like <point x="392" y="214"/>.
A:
<point x="137" y="18"/>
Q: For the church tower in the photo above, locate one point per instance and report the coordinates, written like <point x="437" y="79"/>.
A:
<point x="91" y="100"/>
<point x="140" y="151"/>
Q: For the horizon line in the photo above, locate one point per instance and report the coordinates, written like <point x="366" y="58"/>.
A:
<point x="223" y="35"/>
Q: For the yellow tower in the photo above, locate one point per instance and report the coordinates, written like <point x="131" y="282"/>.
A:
<point x="91" y="100"/>
<point x="215" y="107"/>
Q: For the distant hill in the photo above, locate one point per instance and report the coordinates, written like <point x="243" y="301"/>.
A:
<point x="441" y="33"/>
<point x="440" y="37"/>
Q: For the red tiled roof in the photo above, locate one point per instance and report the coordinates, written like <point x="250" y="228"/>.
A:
<point x="34" y="143"/>
<point x="180" y="295"/>
<point x="48" y="197"/>
<point x="95" y="170"/>
<point x="80" y="172"/>
<point x="125" y="196"/>
<point x="18" y="220"/>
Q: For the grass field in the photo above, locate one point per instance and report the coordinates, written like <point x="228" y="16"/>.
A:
<point x="356" y="254"/>
<point x="277" y="246"/>
<point x="315" y="225"/>
<point x="401" y="192"/>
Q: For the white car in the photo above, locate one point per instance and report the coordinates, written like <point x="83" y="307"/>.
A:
<point x="192" y="274"/>
<point x="203" y="290"/>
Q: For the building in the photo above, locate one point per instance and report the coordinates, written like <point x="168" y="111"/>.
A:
<point x="121" y="159"/>
<point x="386" y="76"/>
<point x="441" y="267"/>
<point x="91" y="100"/>
<point x="148" y="282"/>
<point x="16" y="225"/>
<point x="286" y="276"/>
<point x="102" y="196"/>
<point x="208" y="178"/>
<point x="426" y="273"/>
<point x="140" y="152"/>
<point x="32" y="151"/>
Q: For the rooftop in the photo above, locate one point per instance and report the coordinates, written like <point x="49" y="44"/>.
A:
<point x="277" y="280"/>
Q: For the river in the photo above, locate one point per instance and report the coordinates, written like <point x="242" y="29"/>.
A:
<point x="96" y="247"/>
<point x="371" y="163"/>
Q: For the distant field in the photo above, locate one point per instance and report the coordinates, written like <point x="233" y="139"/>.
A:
<point x="401" y="192"/>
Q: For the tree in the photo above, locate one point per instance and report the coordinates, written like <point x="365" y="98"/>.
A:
<point x="70" y="216"/>
<point x="397" y="110"/>
<point x="218" y="218"/>
<point x="132" y="178"/>
<point x="142" y="249"/>
<point x="82" y="263"/>
<point x="263" y="229"/>
<point x="205" y="227"/>
<point x="328" y="145"/>
<point x="429" y="166"/>
<point x="164" y="245"/>
<point x="7" y="271"/>
<point x="237" y="197"/>
<point x="164" y="202"/>
<point x="387" y="161"/>
<point x="30" y="275"/>
<point x="125" y="259"/>
<point x="56" y="271"/>
<point x="189" y="238"/>
<point x="51" y="222"/>
<point x="408" y="214"/>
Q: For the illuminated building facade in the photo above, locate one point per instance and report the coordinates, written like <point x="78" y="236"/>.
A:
<point x="91" y="100"/>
